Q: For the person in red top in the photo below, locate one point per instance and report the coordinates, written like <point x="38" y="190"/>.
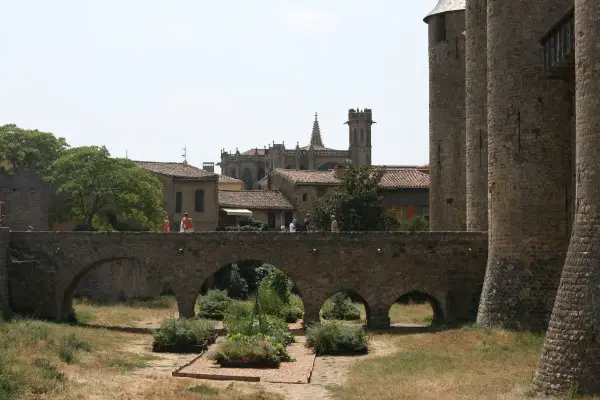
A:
<point x="186" y="224"/>
<point x="167" y="226"/>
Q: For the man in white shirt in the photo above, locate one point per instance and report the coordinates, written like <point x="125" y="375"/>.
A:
<point x="293" y="225"/>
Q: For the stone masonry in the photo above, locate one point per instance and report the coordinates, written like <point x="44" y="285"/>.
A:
<point x="46" y="267"/>
<point x="529" y="145"/>
<point x="446" y="24"/>
<point x="4" y="310"/>
<point x="571" y="354"/>
<point x="476" y="114"/>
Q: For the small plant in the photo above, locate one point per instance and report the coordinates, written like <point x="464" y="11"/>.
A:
<point x="69" y="346"/>
<point x="240" y="350"/>
<point x="238" y="287"/>
<point x="183" y="336"/>
<point x="214" y="304"/>
<point x="266" y="325"/>
<point x="340" y="307"/>
<point x="337" y="338"/>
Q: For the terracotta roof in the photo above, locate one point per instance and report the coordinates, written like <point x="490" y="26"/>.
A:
<point x="408" y="178"/>
<point x="394" y="178"/>
<point x="176" y="170"/>
<point x="254" y="199"/>
<point x="228" y="179"/>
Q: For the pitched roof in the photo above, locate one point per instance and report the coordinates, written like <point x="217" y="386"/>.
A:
<point x="393" y="178"/>
<point x="254" y="152"/>
<point x="254" y="199"/>
<point x="176" y="170"/>
<point x="228" y="179"/>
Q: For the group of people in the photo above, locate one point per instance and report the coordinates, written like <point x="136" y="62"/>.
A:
<point x="185" y="226"/>
<point x="307" y="226"/>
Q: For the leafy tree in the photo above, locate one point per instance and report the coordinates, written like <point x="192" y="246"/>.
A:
<point x="356" y="202"/>
<point x="414" y="224"/>
<point x="91" y="182"/>
<point x="30" y="148"/>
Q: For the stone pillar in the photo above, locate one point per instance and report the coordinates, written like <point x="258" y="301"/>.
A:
<point x="4" y="241"/>
<point x="379" y="319"/>
<point x="476" y="114"/>
<point x="529" y="136"/>
<point x="447" y="200"/>
<point x="571" y="354"/>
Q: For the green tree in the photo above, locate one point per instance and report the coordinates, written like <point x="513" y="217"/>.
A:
<point x="356" y="202"/>
<point x="90" y="182"/>
<point x="414" y="224"/>
<point x="30" y="148"/>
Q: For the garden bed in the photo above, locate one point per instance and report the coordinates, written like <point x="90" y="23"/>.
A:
<point x="298" y="371"/>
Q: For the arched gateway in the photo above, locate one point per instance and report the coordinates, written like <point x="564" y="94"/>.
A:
<point x="45" y="267"/>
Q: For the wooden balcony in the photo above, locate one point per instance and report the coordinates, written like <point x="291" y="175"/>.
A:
<point x="559" y="48"/>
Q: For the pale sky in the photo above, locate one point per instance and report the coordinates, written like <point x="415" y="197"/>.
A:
<point x="150" y="77"/>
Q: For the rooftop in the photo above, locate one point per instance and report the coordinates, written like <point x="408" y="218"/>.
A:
<point x="254" y="199"/>
<point x="444" y="6"/>
<point x="176" y="170"/>
<point x="393" y="178"/>
<point x="228" y="179"/>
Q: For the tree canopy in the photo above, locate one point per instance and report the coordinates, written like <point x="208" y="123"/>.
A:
<point x="30" y="148"/>
<point x="92" y="184"/>
<point x="356" y="202"/>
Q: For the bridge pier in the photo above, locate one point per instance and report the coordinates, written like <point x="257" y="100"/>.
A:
<point x="185" y="305"/>
<point x="379" y="319"/>
<point x="4" y="241"/>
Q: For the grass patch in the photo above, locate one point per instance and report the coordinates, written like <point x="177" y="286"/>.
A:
<point x="70" y="345"/>
<point x="204" y="390"/>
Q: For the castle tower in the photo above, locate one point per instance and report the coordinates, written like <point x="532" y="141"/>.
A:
<point x="476" y="114"/>
<point x="529" y="146"/>
<point x="571" y="354"/>
<point x="447" y="208"/>
<point x="359" y="135"/>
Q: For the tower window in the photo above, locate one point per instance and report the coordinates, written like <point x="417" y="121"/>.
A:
<point x="440" y="28"/>
<point x="355" y="136"/>
<point x="304" y="196"/>
<point x="362" y="136"/>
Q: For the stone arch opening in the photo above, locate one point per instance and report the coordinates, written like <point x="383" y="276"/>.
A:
<point x="416" y="309"/>
<point x="67" y="311"/>
<point x="243" y="279"/>
<point x="345" y="305"/>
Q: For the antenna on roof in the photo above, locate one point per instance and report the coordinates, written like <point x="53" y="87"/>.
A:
<point x="184" y="155"/>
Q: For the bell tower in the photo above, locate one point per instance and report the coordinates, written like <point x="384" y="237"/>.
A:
<point x="359" y="135"/>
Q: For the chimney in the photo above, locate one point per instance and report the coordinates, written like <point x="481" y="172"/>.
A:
<point x="208" y="166"/>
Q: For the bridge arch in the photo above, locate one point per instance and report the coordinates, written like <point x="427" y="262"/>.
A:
<point x="354" y="296"/>
<point x="417" y="318"/>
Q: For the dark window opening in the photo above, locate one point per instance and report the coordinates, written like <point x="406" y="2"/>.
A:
<point x="288" y="167"/>
<point x="449" y="201"/>
<point x="321" y="192"/>
<point x="302" y="167"/>
<point x="440" y="28"/>
<point x="271" y="219"/>
<point x="304" y="196"/>
<point x="233" y="173"/>
<point x="178" y="202"/>
<point x="199" y="200"/>
<point x="355" y="136"/>
<point x="289" y="216"/>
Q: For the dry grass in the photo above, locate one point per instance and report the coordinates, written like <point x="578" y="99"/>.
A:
<point x="104" y="366"/>
<point x="130" y="314"/>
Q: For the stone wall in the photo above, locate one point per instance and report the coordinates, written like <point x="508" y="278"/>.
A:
<point x="447" y="208"/>
<point x="47" y="267"/>
<point x="476" y="115"/>
<point x="27" y="197"/>
<point x="4" y="309"/>
<point x="571" y="354"/>
<point x="529" y="148"/>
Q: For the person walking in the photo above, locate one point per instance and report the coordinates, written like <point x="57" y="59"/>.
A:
<point x="334" y="225"/>
<point x="307" y="223"/>
<point x="187" y="225"/>
<point x="166" y="226"/>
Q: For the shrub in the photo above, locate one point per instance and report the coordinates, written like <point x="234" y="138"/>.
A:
<point x="281" y="284"/>
<point x="271" y="301"/>
<point x="336" y="338"/>
<point x="183" y="335"/>
<point x="250" y="351"/>
<point x="238" y="287"/>
<point x="249" y="325"/>
<point x="413" y="225"/>
<point x="69" y="346"/>
<point x="340" y="306"/>
<point x="214" y="304"/>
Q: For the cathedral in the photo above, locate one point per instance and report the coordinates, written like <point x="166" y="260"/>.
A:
<point x="252" y="165"/>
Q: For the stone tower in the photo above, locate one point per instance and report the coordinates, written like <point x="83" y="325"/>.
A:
<point x="529" y="147"/>
<point x="447" y="208"/>
<point x="359" y="135"/>
<point x="476" y="114"/>
<point x="571" y="354"/>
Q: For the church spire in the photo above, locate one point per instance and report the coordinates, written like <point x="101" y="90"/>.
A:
<point x="315" y="136"/>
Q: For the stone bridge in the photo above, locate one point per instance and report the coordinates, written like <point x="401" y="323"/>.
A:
<point x="44" y="268"/>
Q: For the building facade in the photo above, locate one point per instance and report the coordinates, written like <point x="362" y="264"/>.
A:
<point x="268" y="206"/>
<point x="252" y="165"/>
<point x="187" y="189"/>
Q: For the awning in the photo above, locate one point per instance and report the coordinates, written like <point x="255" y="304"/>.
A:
<point x="238" y="211"/>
